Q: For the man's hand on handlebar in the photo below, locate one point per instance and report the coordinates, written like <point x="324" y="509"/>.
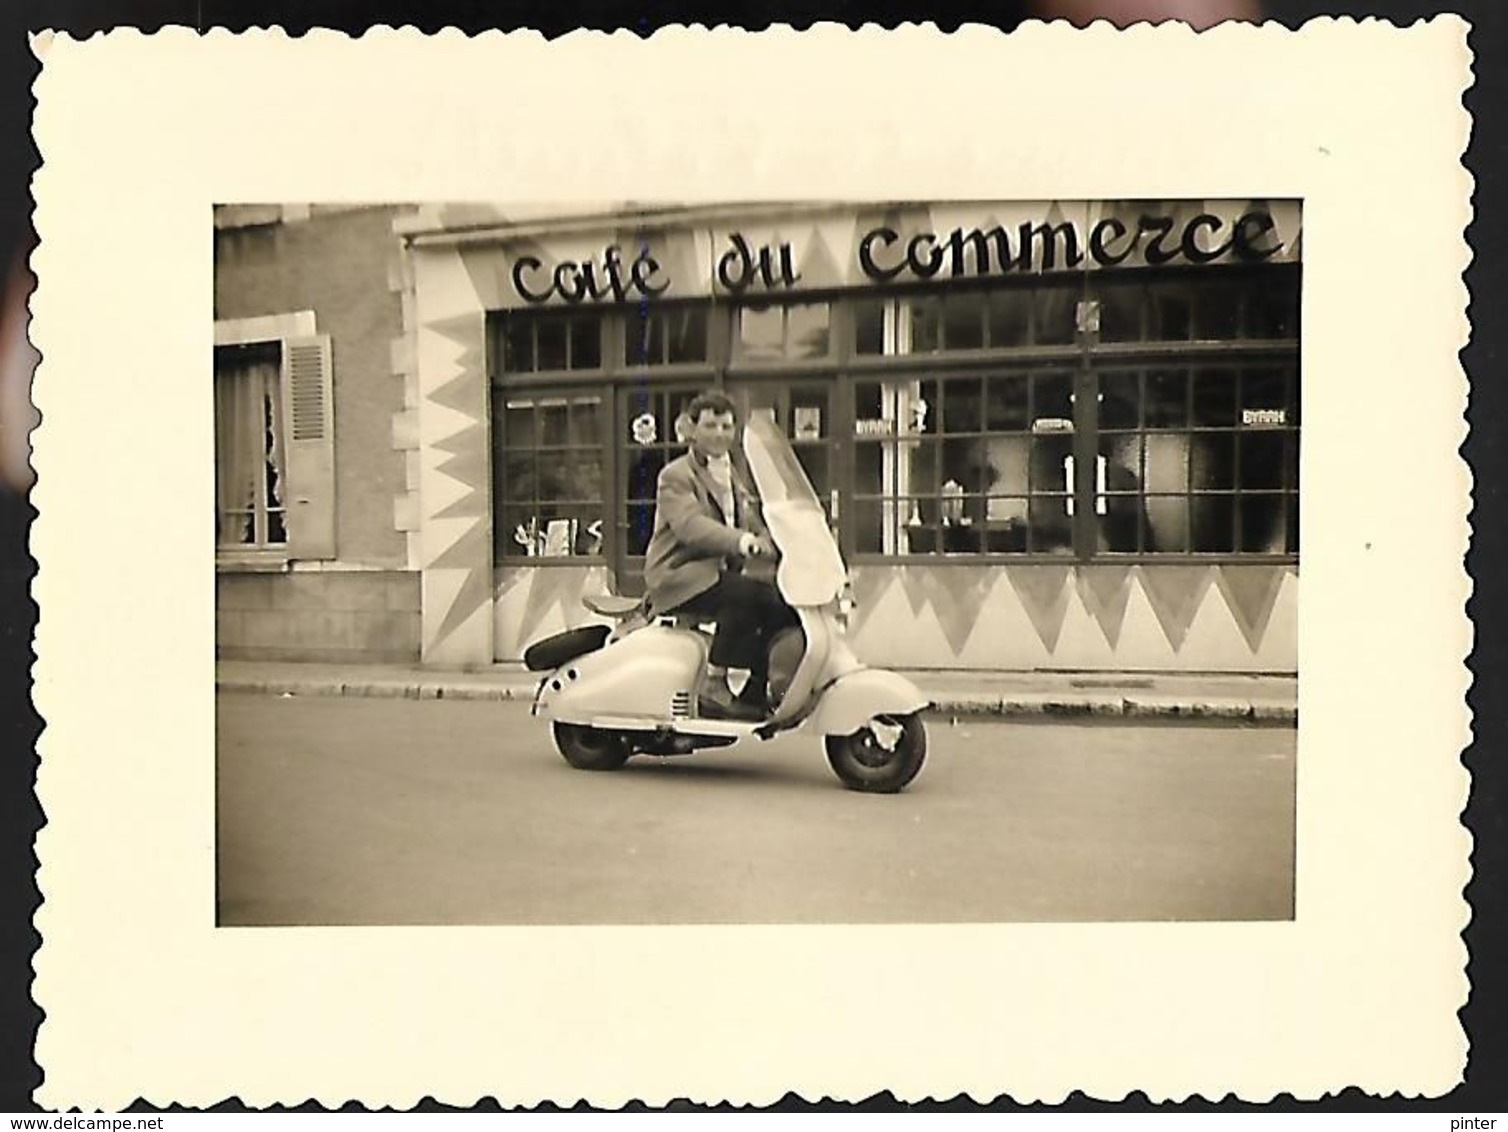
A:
<point x="755" y="546"/>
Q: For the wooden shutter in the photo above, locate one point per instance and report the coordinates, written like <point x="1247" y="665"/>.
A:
<point x="309" y="442"/>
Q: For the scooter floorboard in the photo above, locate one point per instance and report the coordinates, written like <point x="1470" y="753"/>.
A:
<point x="711" y="727"/>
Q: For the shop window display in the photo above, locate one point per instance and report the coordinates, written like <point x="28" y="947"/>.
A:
<point x="965" y="464"/>
<point x="1191" y="458"/>
<point x="1198" y="459"/>
<point x="654" y="436"/>
<point x="804" y="412"/>
<point x="549" y="477"/>
<point x="956" y="431"/>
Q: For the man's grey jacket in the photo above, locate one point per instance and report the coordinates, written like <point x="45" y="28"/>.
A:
<point x="693" y="541"/>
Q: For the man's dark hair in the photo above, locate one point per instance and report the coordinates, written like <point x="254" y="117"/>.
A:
<point x="713" y="400"/>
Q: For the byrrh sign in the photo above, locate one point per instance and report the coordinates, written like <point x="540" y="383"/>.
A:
<point x="919" y="245"/>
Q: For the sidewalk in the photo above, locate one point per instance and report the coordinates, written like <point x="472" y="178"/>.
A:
<point x="1234" y="698"/>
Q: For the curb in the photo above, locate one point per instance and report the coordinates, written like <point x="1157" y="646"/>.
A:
<point x="957" y="704"/>
<point x="379" y="689"/>
<point x="1136" y="708"/>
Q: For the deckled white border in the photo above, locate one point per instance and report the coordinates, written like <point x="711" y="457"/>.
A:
<point x="145" y="999"/>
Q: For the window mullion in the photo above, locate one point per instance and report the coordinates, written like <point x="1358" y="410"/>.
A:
<point x="607" y="411"/>
<point x="614" y="340"/>
<point x="843" y="475"/>
<point x="1085" y="462"/>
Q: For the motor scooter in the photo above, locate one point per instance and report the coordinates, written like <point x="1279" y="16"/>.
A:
<point x="631" y="688"/>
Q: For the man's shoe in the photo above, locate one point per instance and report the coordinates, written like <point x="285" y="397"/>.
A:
<point x="752" y="694"/>
<point x="715" y="701"/>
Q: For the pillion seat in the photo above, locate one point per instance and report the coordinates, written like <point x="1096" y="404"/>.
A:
<point x="612" y="605"/>
<point x="629" y="612"/>
<point x="552" y="652"/>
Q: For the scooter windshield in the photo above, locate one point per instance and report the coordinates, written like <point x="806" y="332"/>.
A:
<point x="811" y="571"/>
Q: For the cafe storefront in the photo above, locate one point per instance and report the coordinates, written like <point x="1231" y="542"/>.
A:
<point x="1050" y="435"/>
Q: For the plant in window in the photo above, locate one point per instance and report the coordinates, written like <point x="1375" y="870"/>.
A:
<point x="528" y="536"/>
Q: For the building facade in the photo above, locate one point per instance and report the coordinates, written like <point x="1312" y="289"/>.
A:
<point x="312" y="562"/>
<point x="1049" y="435"/>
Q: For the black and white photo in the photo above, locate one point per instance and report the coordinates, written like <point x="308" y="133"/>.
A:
<point x="928" y="460"/>
<point x="849" y="561"/>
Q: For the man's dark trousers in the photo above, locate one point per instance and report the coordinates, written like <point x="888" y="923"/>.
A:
<point x="748" y="614"/>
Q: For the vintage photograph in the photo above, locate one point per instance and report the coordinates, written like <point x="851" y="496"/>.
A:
<point x="803" y="562"/>
<point x="794" y="584"/>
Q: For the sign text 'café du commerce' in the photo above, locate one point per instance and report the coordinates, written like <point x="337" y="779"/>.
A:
<point x="742" y="264"/>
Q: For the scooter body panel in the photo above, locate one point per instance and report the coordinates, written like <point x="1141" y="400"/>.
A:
<point x="857" y="697"/>
<point x="646" y="679"/>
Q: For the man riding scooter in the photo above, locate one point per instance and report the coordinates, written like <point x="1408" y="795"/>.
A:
<point x="633" y="689"/>
<point x="707" y="527"/>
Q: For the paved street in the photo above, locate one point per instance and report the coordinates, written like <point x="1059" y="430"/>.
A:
<point x="397" y="811"/>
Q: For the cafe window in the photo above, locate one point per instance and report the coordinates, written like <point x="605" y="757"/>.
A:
<point x="655" y="434"/>
<point x="1198" y="459"/>
<point x="803" y="410"/>
<point x="939" y="441"/>
<point x="948" y="322"/>
<point x="668" y="334"/>
<point x="1214" y="306"/>
<point x="783" y="332"/>
<point x="549" y="468"/>
<point x="546" y="341"/>
<point x="964" y="464"/>
<point x="1191" y="459"/>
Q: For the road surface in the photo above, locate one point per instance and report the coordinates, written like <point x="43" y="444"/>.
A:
<point x="393" y="811"/>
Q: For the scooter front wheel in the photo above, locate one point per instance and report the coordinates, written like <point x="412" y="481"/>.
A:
<point x="591" y="748"/>
<point x="881" y="757"/>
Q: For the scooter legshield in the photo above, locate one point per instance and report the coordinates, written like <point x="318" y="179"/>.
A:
<point x="853" y="700"/>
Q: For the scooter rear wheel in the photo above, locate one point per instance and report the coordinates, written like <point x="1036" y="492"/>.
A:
<point x="882" y="757"/>
<point x="591" y="748"/>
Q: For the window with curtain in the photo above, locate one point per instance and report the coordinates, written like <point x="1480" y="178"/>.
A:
<point x="250" y="461"/>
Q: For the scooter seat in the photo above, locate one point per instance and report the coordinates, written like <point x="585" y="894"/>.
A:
<point x="611" y="605"/>
<point x="552" y="652"/>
